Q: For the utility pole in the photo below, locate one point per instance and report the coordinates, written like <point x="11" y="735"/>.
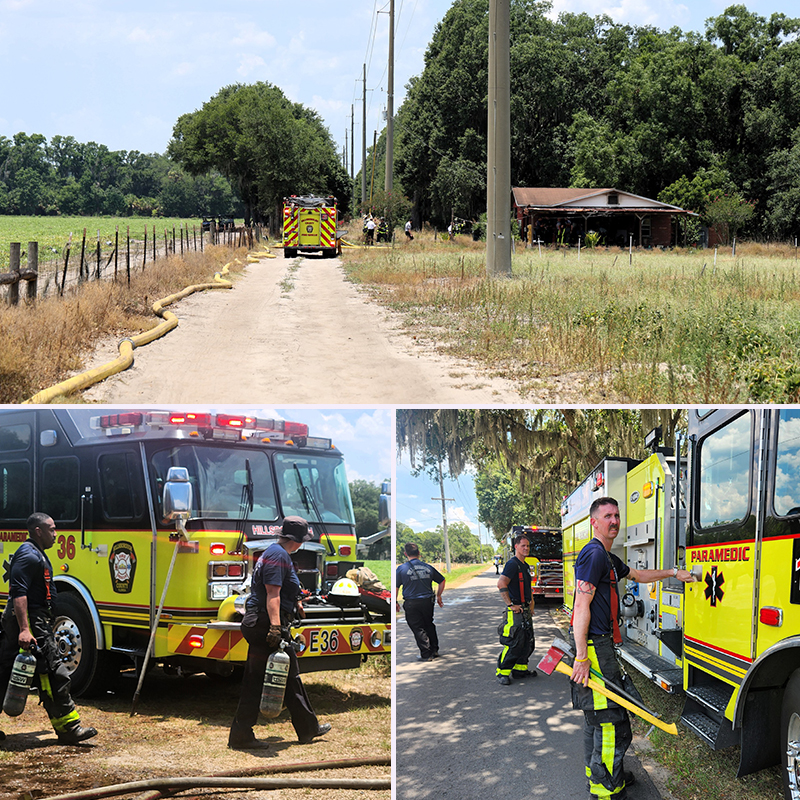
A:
<point x="498" y="145"/>
<point x="352" y="158"/>
<point x="364" y="141"/>
<point x="444" y="516"/>
<point x="389" y="178"/>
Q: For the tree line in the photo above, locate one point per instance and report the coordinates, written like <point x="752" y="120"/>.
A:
<point x="465" y="547"/>
<point x="238" y="155"/>
<point x="66" y="177"/>
<point x="688" y="118"/>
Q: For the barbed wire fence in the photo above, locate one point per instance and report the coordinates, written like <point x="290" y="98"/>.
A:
<point x="55" y="271"/>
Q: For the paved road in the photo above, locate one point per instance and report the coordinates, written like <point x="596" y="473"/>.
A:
<point x="460" y="734"/>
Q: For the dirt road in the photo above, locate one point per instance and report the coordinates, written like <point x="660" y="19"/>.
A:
<point x="293" y="331"/>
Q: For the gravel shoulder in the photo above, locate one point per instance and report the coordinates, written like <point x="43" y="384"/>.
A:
<point x="293" y="331"/>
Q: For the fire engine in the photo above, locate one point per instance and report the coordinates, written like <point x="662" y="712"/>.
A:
<point x="729" y="512"/>
<point x="309" y="226"/>
<point x="109" y="478"/>
<point x="545" y="559"/>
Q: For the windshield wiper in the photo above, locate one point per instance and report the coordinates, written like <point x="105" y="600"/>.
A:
<point x="245" y="505"/>
<point x="308" y="497"/>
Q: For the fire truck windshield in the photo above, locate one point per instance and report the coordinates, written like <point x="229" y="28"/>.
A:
<point x="218" y="476"/>
<point x="545" y="545"/>
<point x="313" y="487"/>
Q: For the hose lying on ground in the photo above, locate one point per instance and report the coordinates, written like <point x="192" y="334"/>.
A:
<point x="127" y="346"/>
<point x="199" y="782"/>
<point x="297" y="766"/>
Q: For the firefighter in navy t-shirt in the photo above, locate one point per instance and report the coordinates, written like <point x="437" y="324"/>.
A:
<point x="416" y="579"/>
<point x="595" y="630"/>
<point x="516" y="630"/>
<point x="28" y="622"/>
<point x="271" y="608"/>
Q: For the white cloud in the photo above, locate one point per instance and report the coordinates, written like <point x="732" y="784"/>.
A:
<point x="249" y="63"/>
<point x="252" y="37"/>
<point x="458" y="514"/>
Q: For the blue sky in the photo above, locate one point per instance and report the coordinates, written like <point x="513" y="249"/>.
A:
<point x="417" y="508"/>
<point x="120" y="73"/>
<point x="365" y="436"/>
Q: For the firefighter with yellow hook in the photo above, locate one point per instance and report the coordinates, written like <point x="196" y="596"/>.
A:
<point x="595" y="630"/>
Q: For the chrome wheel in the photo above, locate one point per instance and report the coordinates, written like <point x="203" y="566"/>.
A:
<point x="793" y="756"/>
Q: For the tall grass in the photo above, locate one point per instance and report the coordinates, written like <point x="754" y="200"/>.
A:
<point x="43" y="342"/>
<point x="677" y="326"/>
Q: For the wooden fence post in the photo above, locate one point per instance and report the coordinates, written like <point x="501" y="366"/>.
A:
<point x="66" y="263"/>
<point x="116" y="251"/>
<point x="33" y="269"/>
<point x="144" y="256"/>
<point x="83" y="253"/>
<point x="13" y="287"/>
<point x="97" y="275"/>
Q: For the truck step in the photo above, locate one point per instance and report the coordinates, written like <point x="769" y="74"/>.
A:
<point x="657" y="669"/>
<point x="712" y="698"/>
<point x="704" y="714"/>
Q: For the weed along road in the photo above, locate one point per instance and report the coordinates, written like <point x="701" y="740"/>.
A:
<point x="291" y="331"/>
<point x="460" y="734"/>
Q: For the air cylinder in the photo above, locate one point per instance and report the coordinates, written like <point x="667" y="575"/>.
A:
<point x="19" y="686"/>
<point x="275" y="678"/>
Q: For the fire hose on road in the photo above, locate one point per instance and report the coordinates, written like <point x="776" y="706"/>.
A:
<point x="128" y="345"/>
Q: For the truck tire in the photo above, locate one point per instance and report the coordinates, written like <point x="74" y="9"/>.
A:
<point x="289" y="252"/>
<point x="90" y="669"/>
<point x="790" y="737"/>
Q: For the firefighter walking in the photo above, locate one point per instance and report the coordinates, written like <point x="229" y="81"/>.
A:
<point x="270" y="610"/>
<point x="28" y="622"/>
<point x="516" y="629"/>
<point x="595" y="630"/>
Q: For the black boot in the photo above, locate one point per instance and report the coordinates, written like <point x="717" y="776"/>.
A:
<point x="75" y="734"/>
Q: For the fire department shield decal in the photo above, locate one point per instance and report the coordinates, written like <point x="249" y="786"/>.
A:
<point x="122" y="563"/>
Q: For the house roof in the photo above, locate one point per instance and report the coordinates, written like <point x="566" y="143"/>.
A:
<point x="588" y="200"/>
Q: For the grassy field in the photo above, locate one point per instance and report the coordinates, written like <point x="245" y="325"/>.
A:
<point x="681" y="326"/>
<point x="52" y="233"/>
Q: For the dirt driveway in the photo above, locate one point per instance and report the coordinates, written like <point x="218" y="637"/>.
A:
<point x="292" y="331"/>
<point x="181" y="729"/>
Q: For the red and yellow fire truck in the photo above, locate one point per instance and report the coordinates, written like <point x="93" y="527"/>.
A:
<point x="734" y="636"/>
<point x="106" y="478"/>
<point x="545" y="559"/>
<point x="309" y="226"/>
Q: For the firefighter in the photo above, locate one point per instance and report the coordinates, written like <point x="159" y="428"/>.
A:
<point x="595" y="630"/>
<point x="516" y="629"/>
<point x="273" y="604"/>
<point x="416" y="578"/>
<point x="28" y="623"/>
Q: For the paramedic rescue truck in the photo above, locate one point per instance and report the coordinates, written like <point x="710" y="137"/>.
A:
<point x="309" y="226"/>
<point x="545" y="559"/>
<point x="732" y="640"/>
<point x="103" y="478"/>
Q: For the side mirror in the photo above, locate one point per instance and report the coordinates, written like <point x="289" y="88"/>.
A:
<point x="177" y="498"/>
<point x="385" y="504"/>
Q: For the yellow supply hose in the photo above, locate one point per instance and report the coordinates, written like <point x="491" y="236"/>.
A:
<point x="127" y="345"/>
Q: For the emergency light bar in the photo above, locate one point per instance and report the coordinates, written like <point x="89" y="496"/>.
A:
<point x="225" y="427"/>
